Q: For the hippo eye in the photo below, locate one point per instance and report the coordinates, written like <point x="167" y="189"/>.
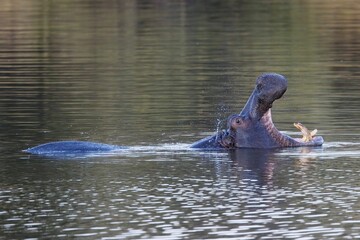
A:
<point x="236" y="122"/>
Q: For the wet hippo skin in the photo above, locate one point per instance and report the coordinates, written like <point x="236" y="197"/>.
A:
<point x="253" y="127"/>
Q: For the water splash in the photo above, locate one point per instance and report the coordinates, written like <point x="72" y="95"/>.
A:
<point x="218" y="128"/>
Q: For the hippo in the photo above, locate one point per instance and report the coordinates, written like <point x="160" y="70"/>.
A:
<point x="252" y="128"/>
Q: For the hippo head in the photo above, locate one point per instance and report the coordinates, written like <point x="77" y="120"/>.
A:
<point x="253" y="127"/>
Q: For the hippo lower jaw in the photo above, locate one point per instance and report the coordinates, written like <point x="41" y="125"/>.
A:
<point x="283" y="140"/>
<point x="262" y="134"/>
<point x="266" y="136"/>
<point x="316" y="141"/>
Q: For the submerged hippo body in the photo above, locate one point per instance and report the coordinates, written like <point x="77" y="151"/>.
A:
<point x="252" y="128"/>
<point x="76" y="147"/>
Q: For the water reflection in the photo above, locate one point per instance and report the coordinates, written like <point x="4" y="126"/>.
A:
<point x="179" y="194"/>
<point x="258" y="166"/>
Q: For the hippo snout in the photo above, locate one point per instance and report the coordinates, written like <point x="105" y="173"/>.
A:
<point x="270" y="86"/>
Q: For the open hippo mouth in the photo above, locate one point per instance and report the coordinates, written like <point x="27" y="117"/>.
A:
<point x="253" y="127"/>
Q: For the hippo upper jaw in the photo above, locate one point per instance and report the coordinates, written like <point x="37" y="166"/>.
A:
<point x="269" y="87"/>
